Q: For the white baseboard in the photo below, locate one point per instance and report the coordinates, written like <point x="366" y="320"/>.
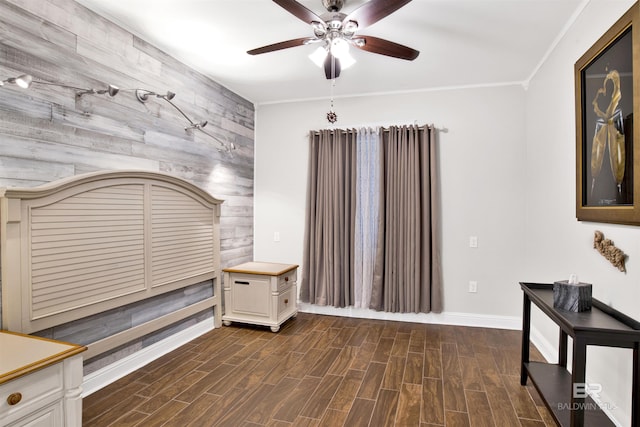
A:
<point x="101" y="378"/>
<point x="549" y="351"/>
<point x="446" y="318"/>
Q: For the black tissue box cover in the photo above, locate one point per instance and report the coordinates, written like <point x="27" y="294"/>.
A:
<point x="572" y="297"/>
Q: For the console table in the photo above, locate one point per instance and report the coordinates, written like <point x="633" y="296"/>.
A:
<point x="602" y="326"/>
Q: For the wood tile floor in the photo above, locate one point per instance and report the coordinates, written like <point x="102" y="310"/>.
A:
<point x="329" y="371"/>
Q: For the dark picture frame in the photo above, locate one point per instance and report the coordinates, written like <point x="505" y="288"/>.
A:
<point x="607" y="157"/>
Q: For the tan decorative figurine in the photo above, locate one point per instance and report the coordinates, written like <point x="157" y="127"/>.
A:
<point x="608" y="250"/>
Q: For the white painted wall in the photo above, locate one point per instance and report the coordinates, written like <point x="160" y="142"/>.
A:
<point x="481" y="158"/>
<point x="508" y="176"/>
<point x="557" y="244"/>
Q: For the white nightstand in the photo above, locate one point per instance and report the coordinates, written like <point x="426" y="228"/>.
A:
<point x="260" y="293"/>
<point x="40" y="382"/>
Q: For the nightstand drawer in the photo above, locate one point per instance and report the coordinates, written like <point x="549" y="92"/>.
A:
<point x="51" y="415"/>
<point x="287" y="280"/>
<point x="23" y="394"/>
<point x="249" y="294"/>
<point x="287" y="301"/>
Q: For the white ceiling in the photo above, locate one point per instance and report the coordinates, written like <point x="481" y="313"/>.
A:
<point x="461" y="43"/>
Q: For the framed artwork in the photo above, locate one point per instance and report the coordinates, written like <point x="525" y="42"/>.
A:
<point x="608" y="144"/>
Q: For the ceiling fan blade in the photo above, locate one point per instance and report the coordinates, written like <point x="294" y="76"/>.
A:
<point x="385" y="47"/>
<point x="281" y="45"/>
<point x="373" y="11"/>
<point x="298" y="10"/>
<point x="331" y="67"/>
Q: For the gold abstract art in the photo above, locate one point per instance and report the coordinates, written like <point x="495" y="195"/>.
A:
<point x="609" y="131"/>
<point x="608" y="250"/>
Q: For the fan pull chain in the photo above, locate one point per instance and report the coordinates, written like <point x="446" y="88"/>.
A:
<point x="332" y="117"/>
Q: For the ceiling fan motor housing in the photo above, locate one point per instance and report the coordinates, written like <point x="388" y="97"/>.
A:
<point x="333" y="5"/>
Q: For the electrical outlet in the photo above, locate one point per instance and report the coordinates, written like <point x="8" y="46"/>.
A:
<point x="473" y="241"/>
<point x="473" y="286"/>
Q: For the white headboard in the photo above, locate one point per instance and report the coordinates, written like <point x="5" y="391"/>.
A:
<point x="86" y="244"/>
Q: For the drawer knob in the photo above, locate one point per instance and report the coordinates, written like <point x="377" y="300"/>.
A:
<point x="14" y="398"/>
<point x="286" y="301"/>
<point x="286" y="279"/>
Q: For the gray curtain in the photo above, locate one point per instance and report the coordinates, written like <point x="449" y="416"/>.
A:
<point x="327" y="274"/>
<point x="408" y="272"/>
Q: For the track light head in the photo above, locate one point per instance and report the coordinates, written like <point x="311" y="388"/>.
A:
<point x="198" y="125"/>
<point x="23" y="81"/>
<point x="113" y="90"/>
<point x="143" y="95"/>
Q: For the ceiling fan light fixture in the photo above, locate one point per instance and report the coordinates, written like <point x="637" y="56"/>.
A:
<point x="350" y="27"/>
<point x="318" y="56"/>
<point x="319" y="28"/>
<point x="340" y="49"/>
<point x="346" y="60"/>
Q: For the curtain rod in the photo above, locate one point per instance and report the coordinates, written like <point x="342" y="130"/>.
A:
<point x="386" y="129"/>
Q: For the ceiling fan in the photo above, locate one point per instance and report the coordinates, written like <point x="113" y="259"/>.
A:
<point x="336" y="31"/>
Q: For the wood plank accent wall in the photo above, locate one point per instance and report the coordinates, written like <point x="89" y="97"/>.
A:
<point x="47" y="132"/>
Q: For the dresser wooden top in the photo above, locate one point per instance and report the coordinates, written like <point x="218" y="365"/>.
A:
<point x="266" y="268"/>
<point x="22" y="354"/>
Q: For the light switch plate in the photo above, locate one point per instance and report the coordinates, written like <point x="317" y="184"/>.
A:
<point x="473" y="286"/>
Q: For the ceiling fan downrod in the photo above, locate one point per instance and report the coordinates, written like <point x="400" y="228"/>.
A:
<point x="333" y="5"/>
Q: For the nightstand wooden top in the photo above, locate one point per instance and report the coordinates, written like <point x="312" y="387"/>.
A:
<point x="22" y="354"/>
<point x="266" y="268"/>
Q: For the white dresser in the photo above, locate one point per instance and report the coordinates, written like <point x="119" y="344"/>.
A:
<point x="260" y="293"/>
<point x="40" y="382"/>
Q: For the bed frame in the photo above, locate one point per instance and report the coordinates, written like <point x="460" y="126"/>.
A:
<point x="94" y="242"/>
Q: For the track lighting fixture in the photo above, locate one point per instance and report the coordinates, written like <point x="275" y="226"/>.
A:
<point x="143" y="95"/>
<point x="111" y="91"/>
<point x="199" y="125"/>
<point x="25" y="81"/>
